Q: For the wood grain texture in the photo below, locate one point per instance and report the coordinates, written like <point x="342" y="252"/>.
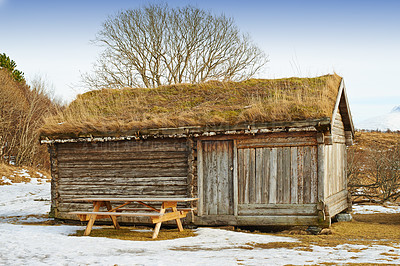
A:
<point x="116" y="169"/>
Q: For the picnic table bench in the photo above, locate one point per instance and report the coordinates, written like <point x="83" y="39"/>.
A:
<point x="156" y="215"/>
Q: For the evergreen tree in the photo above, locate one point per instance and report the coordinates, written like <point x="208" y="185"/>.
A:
<point x="7" y="63"/>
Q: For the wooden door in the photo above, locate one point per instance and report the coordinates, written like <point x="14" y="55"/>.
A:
<point x="216" y="177"/>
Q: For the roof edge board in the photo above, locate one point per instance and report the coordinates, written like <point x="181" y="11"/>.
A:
<point x="338" y="98"/>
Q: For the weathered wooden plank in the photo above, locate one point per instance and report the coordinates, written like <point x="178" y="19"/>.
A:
<point x="210" y="178"/>
<point x="107" y="162"/>
<point x="300" y="175"/>
<point x="321" y="172"/>
<point x="222" y="176"/>
<point x="314" y="175"/>
<point x="235" y="178"/>
<point x="125" y="146"/>
<point x="286" y="174"/>
<point x="120" y="182"/>
<point x="277" y="209"/>
<point x="255" y="220"/>
<point x="266" y="157"/>
<point x="110" y="166"/>
<point x="279" y="177"/>
<point x="252" y="176"/>
<point x="307" y="175"/>
<point x="285" y="140"/>
<point x="259" y="175"/>
<point x="200" y="178"/>
<point x="246" y="175"/>
<point x="241" y="178"/>
<point x="118" y="190"/>
<point x="293" y="176"/>
<point x="272" y="193"/>
<point x="229" y="179"/>
<point x="131" y="173"/>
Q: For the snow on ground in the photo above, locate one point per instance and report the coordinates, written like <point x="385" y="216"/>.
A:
<point x="23" y="244"/>
<point x="370" y="209"/>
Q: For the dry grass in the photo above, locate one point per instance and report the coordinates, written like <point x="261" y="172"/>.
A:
<point x="211" y="103"/>
<point x="137" y="234"/>
<point x="15" y="174"/>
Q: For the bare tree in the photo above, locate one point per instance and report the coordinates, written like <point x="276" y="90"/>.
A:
<point x="157" y="45"/>
<point x="374" y="174"/>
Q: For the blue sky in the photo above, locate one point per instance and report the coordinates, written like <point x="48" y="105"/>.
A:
<point x="359" y="40"/>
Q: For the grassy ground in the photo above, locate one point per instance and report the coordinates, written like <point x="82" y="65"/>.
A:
<point x="137" y="234"/>
<point x="366" y="229"/>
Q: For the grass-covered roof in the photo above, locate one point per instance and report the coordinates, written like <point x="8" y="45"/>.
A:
<point x="212" y="103"/>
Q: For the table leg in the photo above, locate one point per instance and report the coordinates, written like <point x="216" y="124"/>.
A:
<point x="178" y="221"/>
<point x="113" y="218"/>
<point x="158" y="225"/>
<point x="89" y="225"/>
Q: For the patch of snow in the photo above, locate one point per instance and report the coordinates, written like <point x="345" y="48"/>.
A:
<point x="53" y="245"/>
<point x="384" y="122"/>
<point x="370" y="209"/>
<point x="24" y="199"/>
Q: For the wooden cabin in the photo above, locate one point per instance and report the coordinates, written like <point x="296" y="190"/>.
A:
<point x="258" y="152"/>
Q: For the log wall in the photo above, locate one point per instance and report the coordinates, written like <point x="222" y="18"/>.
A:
<point x="146" y="168"/>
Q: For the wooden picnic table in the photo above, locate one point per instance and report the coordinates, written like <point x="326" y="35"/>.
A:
<point x="157" y="215"/>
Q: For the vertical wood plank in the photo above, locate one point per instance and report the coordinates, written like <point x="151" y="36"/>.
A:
<point x="246" y="174"/>
<point x="235" y="179"/>
<point x="314" y="175"/>
<point x="300" y="175"/>
<point x="307" y="174"/>
<point x="321" y="172"/>
<point x="266" y="174"/>
<point x="279" y="179"/>
<point x="273" y="176"/>
<point x="200" y="187"/>
<point x="293" y="175"/>
<point x="286" y="173"/>
<point x="252" y="176"/>
<point x="259" y="175"/>
<point x="241" y="175"/>
<point x="213" y="182"/>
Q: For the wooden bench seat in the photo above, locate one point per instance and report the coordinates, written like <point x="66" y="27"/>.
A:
<point x="147" y="210"/>
<point x="155" y="214"/>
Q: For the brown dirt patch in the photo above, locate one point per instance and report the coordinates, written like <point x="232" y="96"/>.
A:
<point x="137" y="234"/>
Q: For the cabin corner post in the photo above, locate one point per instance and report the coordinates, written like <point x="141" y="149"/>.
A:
<point x="323" y="213"/>
<point x="52" y="148"/>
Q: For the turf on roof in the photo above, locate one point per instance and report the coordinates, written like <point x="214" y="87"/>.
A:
<point x="207" y="104"/>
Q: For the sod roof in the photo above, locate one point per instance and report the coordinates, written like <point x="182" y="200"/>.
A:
<point x="214" y="103"/>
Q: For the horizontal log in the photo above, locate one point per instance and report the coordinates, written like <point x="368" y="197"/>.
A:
<point x="89" y="185"/>
<point x="118" y="167"/>
<point x="277" y="209"/>
<point x="330" y="201"/>
<point x="281" y="142"/>
<point x="125" y="163"/>
<point x="119" y="156"/>
<point x="212" y="220"/>
<point x="116" y="180"/>
<point x="112" y="147"/>
<point x="123" y="173"/>
<point x="119" y="189"/>
<point x="160" y="193"/>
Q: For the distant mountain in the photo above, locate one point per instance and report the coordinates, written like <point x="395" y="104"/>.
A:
<point x="384" y="122"/>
